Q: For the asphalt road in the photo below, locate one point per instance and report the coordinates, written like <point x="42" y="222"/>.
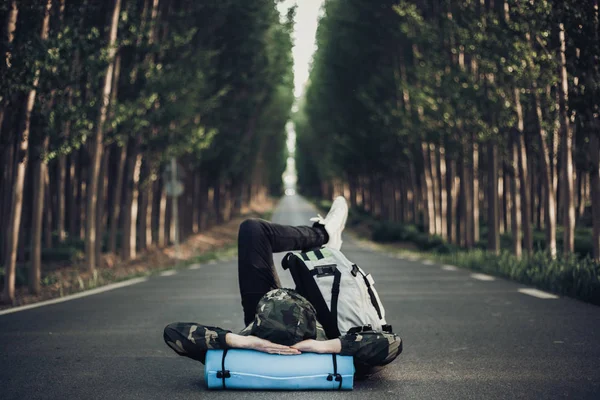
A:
<point x="464" y="338"/>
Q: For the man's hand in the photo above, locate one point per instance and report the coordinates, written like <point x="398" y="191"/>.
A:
<point x="332" y="346"/>
<point x="256" y="343"/>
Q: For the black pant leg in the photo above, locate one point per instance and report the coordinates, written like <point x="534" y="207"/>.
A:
<point x="257" y="241"/>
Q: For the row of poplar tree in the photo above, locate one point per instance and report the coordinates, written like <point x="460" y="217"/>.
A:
<point x="456" y="114"/>
<point x="96" y="97"/>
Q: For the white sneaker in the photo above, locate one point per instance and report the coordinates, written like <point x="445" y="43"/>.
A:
<point x="334" y="222"/>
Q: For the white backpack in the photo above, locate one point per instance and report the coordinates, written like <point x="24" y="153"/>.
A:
<point x="341" y="292"/>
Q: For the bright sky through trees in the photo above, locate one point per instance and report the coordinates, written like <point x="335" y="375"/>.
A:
<point x="307" y="15"/>
<point x="305" y="28"/>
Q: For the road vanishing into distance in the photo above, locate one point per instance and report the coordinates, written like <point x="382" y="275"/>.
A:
<point x="466" y="336"/>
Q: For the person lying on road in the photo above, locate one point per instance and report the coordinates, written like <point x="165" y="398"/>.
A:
<point x="278" y="320"/>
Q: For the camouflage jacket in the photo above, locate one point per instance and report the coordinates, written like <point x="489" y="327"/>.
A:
<point x="368" y="348"/>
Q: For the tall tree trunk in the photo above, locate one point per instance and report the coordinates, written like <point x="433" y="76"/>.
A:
<point x="594" y="150"/>
<point x="131" y="204"/>
<point x="451" y="198"/>
<point x="39" y="175"/>
<point x="81" y="200"/>
<point x="48" y="214"/>
<point x="14" y="221"/>
<point x="493" y="221"/>
<point x="507" y="200"/>
<point x="568" y="189"/>
<point x="518" y="205"/>
<point x="353" y="190"/>
<point x="61" y="178"/>
<point x="547" y="175"/>
<point x="162" y="216"/>
<point x="582" y="184"/>
<point x="435" y="184"/>
<point x="526" y="203"/>
<point x="117" y="198"/>
<point x="475" y="187"/>
<point x="430" y="209"/>
<point x="96" y="145"/>
<point x="73" y="192"/>
<point x="147" y="215"/>
<point x="195" y="209"/>
<point x="8" y="175"/>
<point x="218" y="201"/>
<point x="145" y="183"/>
<point x="101" y="206"/>
<point x="443" y="171"/>
<point x="203" y="201"/>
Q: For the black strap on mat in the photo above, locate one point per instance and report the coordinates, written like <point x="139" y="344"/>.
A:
<point x="223" y="373"/>
<point x="335" y="375"/>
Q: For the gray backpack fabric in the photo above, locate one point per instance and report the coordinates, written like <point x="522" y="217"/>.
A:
<point x="343" y="295"/>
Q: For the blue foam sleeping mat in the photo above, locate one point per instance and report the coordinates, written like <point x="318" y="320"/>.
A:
<point x="250" y="369"/>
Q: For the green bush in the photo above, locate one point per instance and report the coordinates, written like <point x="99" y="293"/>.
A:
<point x="576" y="275"/>
<point x="570" y="276"/>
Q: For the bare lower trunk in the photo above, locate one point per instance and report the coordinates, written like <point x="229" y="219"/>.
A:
<point x="145" y="183"/>
<point x="195" y="209"/>
<point x="61" y="197"/>
<point x="101" y="206"/>
<point x="131" y="206"/>
<point x="547" y="175"/>
<point x="568" y="190"/>
<point x="582" y="186"/>
<point x="526" y="206"/>
<point x="7" y="160"/>
<point x="515" y="186"/>
<point x="435" y="185"/>
<point x="430" y="209"/>
<point x="594" y="150"/>
<point x="475" y="185"/>
<point x="162" y="216"/>
<point x="493" y="221"/>
<point x="352" y="186"/>
<point x="465" y="205"/>
<point x="506" y="201"/>
<point x="39" y="174"/>
<point x="116" y="201"/>
<point x="218" y="201"/>
<point x="73" y="193"/>
<point x="451" y="200"/>
<point x="49" y="213"/>
<point x="149" y="199"/>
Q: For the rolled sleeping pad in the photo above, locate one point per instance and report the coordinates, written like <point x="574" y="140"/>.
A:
<point x="250" y="369"/>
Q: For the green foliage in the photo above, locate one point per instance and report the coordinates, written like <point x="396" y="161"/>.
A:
<point x="211" y="83"/>
<point x="575" y="276"/>
<point x="570" y="276"/>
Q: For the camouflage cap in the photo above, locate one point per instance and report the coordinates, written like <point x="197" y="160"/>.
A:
<point x="284" y="317"/>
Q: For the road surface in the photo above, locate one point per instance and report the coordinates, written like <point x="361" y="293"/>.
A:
<point x="465" y="337"/>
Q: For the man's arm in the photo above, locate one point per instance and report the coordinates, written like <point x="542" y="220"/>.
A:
<point x="368" y="348"/>
<point x="193" y="340"/>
